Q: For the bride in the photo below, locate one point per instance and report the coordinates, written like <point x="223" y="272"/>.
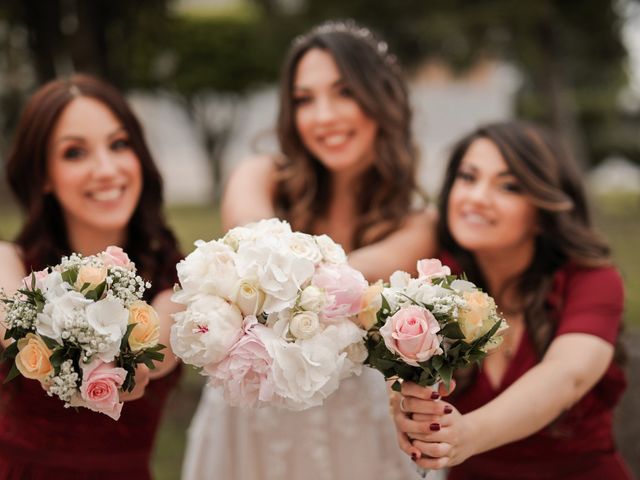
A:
<point x="346" y="170"/>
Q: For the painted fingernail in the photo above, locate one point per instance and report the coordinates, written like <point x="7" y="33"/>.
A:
<point x="434" y="427"/>
<point x="447" y="409"/>
<point x="435" y="395"/>
<point x="414" y="456"/>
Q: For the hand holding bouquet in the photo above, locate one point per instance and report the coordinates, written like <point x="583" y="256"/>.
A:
<point x="81" y="327"/>
<point x="429" y="326"/>
<point x="268" y="315"/>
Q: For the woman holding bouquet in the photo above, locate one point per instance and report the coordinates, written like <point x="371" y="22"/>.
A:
<point x="514" y="218"/>
<point x="346" y="170"/>
<point x="82" y="173"/>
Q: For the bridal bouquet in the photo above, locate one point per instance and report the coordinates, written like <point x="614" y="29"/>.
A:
<point x="81" y="327"/>
<point x="268" y="315"/>
<point x="429" y="326"/>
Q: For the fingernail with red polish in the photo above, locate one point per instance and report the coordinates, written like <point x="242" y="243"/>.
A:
<point x="414" y="456"/>
<point x="434" y="427"/>
<point x="435" y="395"/>
<point x="447" y="409"/>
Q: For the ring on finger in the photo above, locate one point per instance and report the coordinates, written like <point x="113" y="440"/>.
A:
<point x="402" y="399"/>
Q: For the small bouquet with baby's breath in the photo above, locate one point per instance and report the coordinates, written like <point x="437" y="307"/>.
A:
<point x="427" y="327"/>
<point x="81" y="327"/>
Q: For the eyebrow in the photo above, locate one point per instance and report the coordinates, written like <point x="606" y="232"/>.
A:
<point x="76" y="138"/>
<point x="337" y="83"/>
<point x="504" y="173"/>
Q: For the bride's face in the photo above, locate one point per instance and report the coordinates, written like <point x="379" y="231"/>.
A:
<point x="330" y="122"/>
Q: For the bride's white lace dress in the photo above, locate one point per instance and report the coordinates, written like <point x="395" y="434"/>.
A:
<point x="350" y="437"/>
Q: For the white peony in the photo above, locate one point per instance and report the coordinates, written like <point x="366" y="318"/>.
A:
<point x="304" y="246"/>
<point x="209" y="269"/>
<point x="206" y="331"/>
<point x="331" y="251"/>
<point x="60" y="311"/>
<point x="280" y="274"/>
<point x="399" y="279"/>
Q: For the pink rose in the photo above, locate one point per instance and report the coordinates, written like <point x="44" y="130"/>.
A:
<point x="99" y="389"/>
<point x="412" y="334"/>
<point x="116" y="257"/>
<point x="245" y="372"/>
<point x="430" y="268"/>
<point x="40" y="275"/>
<point x="344" y="286"/>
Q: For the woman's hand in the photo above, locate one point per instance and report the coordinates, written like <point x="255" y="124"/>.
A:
<point x="142" y="380"/>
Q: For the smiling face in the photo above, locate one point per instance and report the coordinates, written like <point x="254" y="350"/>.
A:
<point x="92" y="170"/>
<point x="487" y="209"/>
<point x="329" y="120"/>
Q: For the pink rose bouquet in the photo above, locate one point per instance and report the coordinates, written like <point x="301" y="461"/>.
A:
<point x="81" y="327"/>
<point x="429" y="326"/>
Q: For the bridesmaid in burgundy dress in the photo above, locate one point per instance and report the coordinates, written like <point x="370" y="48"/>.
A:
<point x="84" y="176"/>
<point x="514" y="218"/>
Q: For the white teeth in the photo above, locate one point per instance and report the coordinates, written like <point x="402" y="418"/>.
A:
<point x="335" y="140"/>
<point x="107" y="195"/>
<point x="476" y="218"/>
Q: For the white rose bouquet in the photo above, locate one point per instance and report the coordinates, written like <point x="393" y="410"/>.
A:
<point x="429" y="326"/>
<point x="81" y="327"/>
<point x="268" y="315"/>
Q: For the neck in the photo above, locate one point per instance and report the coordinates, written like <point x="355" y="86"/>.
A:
<point x="88" y="241"/>
<point x="501" y="267"/>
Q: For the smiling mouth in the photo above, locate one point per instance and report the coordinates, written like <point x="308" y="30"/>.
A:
<point x="476" y="219"/>
<point x="108" y="195"/>
<point x="335" y="140"/>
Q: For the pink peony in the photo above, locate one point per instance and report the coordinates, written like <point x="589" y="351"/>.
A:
<point x="245" y="372"/>
<point x="412" y="334"/>
<point x="116" y="257"/>
<point x="99" y="389"/>
<point x="344" y="286"/>
<point x="430" y="268"/>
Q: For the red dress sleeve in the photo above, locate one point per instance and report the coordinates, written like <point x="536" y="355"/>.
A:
<point x="593" y="303"/>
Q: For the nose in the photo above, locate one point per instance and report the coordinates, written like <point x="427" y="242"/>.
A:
<point x="105" y="164"/>
<point x="324" y="111"/>
<point x="480" y="192"/>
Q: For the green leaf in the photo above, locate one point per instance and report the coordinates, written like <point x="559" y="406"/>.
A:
<point x="70" y="276"/>
<point x="124" y="344"/>
<point x="10" y="352"/>
<point x="397" y="386"/>
<point x="13" y="373"/>
<point x="50" y="343"/>
<point x="437" y="362"/>
<point x="452" y="330"/>
<point x="446" y="373"/>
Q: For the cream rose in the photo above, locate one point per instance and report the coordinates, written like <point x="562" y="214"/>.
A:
<point x="91" y="277"/>
<point x="475" y="319"/>
<point x="312" y="298"/>
<point x="33" y="357"/>
<point x="249" y="297"/>
<point x="304" y="325"/>
<point x="146" y="333"/>
<point x="371" y="304"/>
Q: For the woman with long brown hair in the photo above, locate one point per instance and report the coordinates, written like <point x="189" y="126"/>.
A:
<point x="346" y="169"/>
<point x="514" y="218"/>
<point x="83" y="175"/>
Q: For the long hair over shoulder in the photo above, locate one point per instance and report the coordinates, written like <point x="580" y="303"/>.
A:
<point x="385" y="191"/>
<point x="43" y="236"/>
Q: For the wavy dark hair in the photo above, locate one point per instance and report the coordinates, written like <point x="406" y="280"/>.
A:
<point x="43" y="237"/>
<point x="551" y="179"/>
<point x="373" y="76"/>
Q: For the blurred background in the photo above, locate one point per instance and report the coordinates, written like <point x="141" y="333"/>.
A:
<point x="201" y="74"/>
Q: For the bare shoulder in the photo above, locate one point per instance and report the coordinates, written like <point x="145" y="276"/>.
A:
<point x="254" y="168"/>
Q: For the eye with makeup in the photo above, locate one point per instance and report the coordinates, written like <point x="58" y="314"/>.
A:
<point x="300" y="99"/>
<point x="511" y="186"/>
<point x="465" y="176"/>
<point x="73" y="152"/>
<point x="120" y="144"/>
<point x="345" y="91"/>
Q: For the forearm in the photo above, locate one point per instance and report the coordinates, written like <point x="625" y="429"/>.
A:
<point x="527" y="406"/>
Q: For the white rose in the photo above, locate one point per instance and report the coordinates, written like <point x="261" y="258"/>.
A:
<point x="463" y="286"/>
<point x="206" y="331"/>
<point x="427" y="293"/>
<point x="249" y="297"/>
<point x="304" y="246"/>
<point x="108" y="317"/>
<point x="331" y="251"/>
<point x="58" y="311"/>
<point x="237" y="236"/>
<point x="280" y="274"/>
<point x="312" y="298"/>
<point x="209" y="269"/>
<point x="304" y="325"/>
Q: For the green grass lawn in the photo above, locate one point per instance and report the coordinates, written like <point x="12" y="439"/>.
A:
<point x="618" y="218"/>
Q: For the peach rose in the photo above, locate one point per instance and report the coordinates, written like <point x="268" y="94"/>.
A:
<point x="371" y="304"/>
<point x="33" y="358"/>
<point x="90" y="276"/>
<point x="412" y="334"/>
<point x="475" y="319"/>
<point x="146" y="333"/>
